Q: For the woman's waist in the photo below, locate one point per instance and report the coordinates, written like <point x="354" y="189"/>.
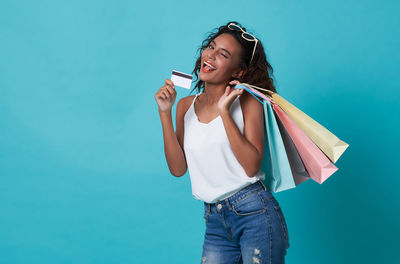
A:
<point x="241" y="193"/>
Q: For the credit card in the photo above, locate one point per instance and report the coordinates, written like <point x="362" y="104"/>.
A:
<point x="181" y="79"/>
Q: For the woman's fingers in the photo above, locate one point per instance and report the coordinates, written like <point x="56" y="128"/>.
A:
<point x="169" y="87"/>
<point x="169" y="82"/>
<point x="159" y="95"/>
<point x="166" y="96"/>
<point x="234" y="82"/>
<point x="229" y="90"/>
<point x="167" y="92"/>
<point x="171" y="90"/>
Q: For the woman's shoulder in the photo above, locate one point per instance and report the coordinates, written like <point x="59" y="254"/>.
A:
<point x="188" y="98"/>
<point x="186" y="101"/>
<point x="184" y="104"/>
<point x="250" y="105"/>
<point x="248" y="99"/>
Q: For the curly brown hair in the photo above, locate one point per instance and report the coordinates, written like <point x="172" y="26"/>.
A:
<point x="258" y="73"/>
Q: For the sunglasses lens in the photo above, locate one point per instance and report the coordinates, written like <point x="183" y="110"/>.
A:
<point x="235" y="27"/>
<point x="248" y="36"/>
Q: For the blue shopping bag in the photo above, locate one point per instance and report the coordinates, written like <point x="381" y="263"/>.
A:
<point x="278" y="173"/>
<point x="282" y="164"/>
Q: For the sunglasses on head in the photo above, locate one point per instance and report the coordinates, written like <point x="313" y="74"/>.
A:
<point x="247" y="36"/>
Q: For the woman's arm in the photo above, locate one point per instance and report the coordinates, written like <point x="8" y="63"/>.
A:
<point x="173" y="146"/>
<point x="249" y="147"/>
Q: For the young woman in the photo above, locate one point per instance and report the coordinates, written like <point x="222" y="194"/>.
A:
<point x="220" y="138"/>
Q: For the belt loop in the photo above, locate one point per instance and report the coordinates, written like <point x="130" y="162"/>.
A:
<point x="228" y="204"/>
<point x="265" y="188"/>
<point x="209" y="208"/>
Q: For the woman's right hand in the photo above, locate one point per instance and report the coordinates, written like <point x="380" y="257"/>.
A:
<point x="166" y="96"/>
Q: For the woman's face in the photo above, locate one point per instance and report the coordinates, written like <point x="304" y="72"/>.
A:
<point x="220" y="60"/>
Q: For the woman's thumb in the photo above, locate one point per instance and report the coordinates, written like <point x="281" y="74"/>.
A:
<point x="227" y="90"/>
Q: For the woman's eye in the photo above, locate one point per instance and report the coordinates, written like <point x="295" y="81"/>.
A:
<point x="211" y="47"/>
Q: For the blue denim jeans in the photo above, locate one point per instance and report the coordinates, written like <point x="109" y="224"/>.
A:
<point x="247" y="227"/>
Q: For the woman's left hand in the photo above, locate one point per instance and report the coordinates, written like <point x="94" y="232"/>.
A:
<point x="227" y="98"/>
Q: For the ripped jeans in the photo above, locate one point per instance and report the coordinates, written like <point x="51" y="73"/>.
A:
<point x="247" y="227"/>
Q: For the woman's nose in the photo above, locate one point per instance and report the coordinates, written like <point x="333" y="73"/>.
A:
<point x="211" y="58"/>
<point x="211" y="55"/>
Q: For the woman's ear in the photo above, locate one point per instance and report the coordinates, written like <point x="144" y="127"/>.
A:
<point x="238" y="74"/>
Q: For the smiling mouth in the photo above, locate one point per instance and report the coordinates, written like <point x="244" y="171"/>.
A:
<point x="208" y="67"/>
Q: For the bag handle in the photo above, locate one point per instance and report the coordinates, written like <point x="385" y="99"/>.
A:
<point x="254" y="92"/>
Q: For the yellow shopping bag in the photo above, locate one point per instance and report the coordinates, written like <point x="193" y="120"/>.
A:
<point x="330" y="144"/>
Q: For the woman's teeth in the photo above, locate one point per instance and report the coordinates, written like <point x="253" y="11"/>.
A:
<point x="208" y="67"/>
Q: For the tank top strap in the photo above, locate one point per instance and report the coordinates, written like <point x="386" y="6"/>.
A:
<point x="196" y="95"/>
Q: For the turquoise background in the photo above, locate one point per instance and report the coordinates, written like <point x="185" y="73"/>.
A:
<point x="83" y="176"/>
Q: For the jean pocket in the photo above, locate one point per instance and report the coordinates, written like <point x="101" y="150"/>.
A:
<point x="281" y="220"/>
<point x="250" y="205"/>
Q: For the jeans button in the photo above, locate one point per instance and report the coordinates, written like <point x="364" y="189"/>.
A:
<point x="219" y="206"/>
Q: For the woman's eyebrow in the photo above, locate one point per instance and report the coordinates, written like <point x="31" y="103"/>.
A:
<point x="221" y="48"/>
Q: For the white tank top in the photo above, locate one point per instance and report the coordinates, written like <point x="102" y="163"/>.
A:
<point x="215" y="173"/>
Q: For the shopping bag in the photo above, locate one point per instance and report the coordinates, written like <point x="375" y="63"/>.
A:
<point x="318" y="166"/>
<point x="278" y="174"/>
<point x="330" y="144"/>
<point x="299" y="171"/>
<point x="316" y="163"/>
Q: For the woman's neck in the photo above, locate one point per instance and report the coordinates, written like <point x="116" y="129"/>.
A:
<point x="213" y="93"/>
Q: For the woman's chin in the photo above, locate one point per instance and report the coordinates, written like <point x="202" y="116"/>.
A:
<point x="206" y="78"/>
<point x="203" y="78"/>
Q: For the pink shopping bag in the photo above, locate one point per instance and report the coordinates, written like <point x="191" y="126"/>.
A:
<point x="318" y="166"/>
